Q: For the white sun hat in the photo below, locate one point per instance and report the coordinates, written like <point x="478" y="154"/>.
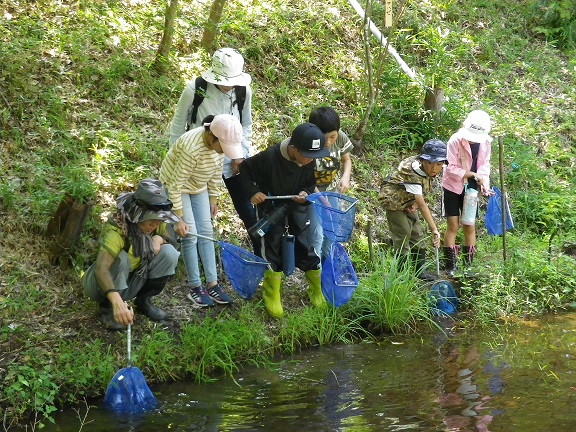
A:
<point x="227" y="69"/>
<point x="476" y="127"/>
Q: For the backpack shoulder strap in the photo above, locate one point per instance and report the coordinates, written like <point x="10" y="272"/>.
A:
<point x="126" y="244"/>
<point x="240" y="99"/>
<point x="200" y="86"/>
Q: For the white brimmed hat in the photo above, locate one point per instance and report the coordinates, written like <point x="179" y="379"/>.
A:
<point x="476" y="127"/>
<point x="227" y="69"/>
<point x="228" y="130"/>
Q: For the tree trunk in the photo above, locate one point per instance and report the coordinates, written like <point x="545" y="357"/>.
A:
<point x="374" y="77"/>
<point x="66" y="226"/>
<point x="161" y="61"/>
<point x="211" y="26"/>
<point x="434" y="99"/>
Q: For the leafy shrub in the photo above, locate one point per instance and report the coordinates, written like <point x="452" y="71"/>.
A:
<point x="390" y="300"/>
<point x="528" y="283"/>
<point x="556" y="21"/>
<point x="31" y="387"/>
<point x="540" y="196"/>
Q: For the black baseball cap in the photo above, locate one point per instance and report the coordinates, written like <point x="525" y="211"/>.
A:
<point x="309" y="140"/>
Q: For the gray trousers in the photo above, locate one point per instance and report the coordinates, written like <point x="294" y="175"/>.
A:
<point x="129" y="283"/>
<point x="406" y="230"/>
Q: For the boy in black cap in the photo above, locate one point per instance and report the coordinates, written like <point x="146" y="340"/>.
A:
<point x="402" y="196"/>
<point x="136" y="256"/>
<point x="286" y="169"/>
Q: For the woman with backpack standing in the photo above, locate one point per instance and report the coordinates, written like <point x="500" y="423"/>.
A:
<point x="223" y="89"/>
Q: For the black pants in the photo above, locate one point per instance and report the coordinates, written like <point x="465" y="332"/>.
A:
<point x="243" y="206"/>
<point x="305" y="255"/>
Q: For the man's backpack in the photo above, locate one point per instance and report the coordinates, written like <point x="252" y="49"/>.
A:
<point x="201" y="85"/>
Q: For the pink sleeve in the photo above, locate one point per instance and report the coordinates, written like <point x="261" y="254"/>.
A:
<point x="454" y="172"/>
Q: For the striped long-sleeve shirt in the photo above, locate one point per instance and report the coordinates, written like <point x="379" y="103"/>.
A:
<point x="190" y="168"/>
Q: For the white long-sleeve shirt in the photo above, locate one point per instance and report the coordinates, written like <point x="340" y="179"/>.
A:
<point x="215" y="102"/>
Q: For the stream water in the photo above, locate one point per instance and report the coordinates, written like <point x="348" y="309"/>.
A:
<point x="517" y="377"/>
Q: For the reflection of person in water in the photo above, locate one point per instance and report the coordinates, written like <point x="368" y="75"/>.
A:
<point x="461" y="374"/>
<point x="340" y="396"/>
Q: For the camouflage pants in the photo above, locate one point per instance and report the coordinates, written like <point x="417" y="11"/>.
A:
<point x="406" y="230"/>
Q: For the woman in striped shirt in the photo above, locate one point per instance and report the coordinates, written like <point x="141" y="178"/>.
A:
<point x="192" y="172"/>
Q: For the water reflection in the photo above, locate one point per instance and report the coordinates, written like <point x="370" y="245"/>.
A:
<point x="468" y="385"/>
<point x="513" y="378"/>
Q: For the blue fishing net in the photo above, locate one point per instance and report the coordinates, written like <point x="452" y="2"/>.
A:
<point x="443" y="298"/>
<point x="244" y="270"/>
<point x="338" y="276"/>
<point x="336" y="213"/>
<point x="493" y="216"/>
<point x="128" y="392"/>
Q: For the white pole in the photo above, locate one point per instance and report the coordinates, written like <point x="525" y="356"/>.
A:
<point x="378" y="34"/>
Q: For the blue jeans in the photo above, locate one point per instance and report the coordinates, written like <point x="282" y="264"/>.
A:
<point x="196" y="214"/>
<point x="320" y="243"/>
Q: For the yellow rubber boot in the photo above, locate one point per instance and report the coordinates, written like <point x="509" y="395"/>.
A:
<point x="315" y="288"/>
<point x="271" y="293"/>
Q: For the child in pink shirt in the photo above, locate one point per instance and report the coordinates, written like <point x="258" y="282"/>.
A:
<point x="468" y="165"/>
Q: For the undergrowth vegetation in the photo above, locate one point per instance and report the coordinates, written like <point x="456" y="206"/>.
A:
<point x="82" y="112"/>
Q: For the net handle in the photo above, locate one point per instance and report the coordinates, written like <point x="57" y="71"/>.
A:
<point x="273" y="197"/>
<point x="221" y="244"/>
<point x="324" y="201"/>
<point x="129" y="333"/>
<point x="201" y="236"/>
